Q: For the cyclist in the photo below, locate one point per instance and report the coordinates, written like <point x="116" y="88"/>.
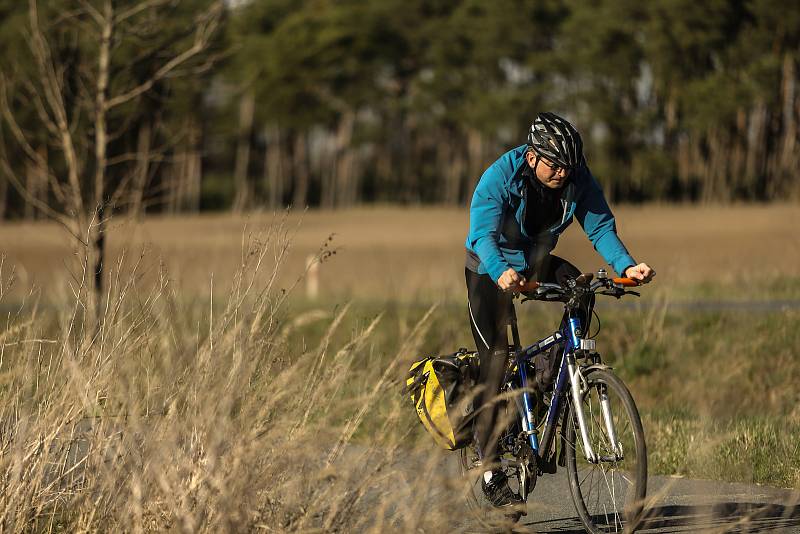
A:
<point x="521" y="204"/>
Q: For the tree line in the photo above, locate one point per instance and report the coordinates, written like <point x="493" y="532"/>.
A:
<point x="174" y="106"/>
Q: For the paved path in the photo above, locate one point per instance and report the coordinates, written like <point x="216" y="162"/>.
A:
<point x="678" y="505"/>
<point x="674" y="504"/>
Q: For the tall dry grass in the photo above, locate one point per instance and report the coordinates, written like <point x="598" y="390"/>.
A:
<point x="210" y="403"/>
<point x="195" y="416"/>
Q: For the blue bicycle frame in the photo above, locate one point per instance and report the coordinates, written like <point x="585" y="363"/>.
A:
<point x="570" y="333"/>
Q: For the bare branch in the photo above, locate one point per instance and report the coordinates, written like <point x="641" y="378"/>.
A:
<point x="140" y="7"/>
<point x="52" y="85"/>
<point x="203" y="34"/>
<point x="16" y="130"/>
<point x="44" y="117"/>
<point x="42" y="206"/>
<point x="131" y="156"/>
<point x="124" y="128"/>
<point x="212" y="60"/>
<point x="22" y="140"/>
<point x="98" y="18"/>
<point x="101" y="88"/>
<point x="121" y="188"/>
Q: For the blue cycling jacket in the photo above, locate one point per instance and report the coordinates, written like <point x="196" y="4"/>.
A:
<point x="496" y="231"/>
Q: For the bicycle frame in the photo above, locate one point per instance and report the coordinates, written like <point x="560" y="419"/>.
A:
<point x="568" y="377"/>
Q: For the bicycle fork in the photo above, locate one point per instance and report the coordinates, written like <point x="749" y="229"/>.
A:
<point x="577" y="390"/>
<point x="575" y="380"/>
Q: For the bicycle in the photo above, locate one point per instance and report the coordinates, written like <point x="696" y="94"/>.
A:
<point x="602" y="440"/>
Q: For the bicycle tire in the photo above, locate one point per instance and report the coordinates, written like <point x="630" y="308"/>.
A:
<point x="604" y="511"/>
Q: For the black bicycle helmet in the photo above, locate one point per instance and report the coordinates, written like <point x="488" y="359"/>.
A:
<point x="554" y="138"/>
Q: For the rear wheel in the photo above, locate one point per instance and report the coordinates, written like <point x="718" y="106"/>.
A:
<point x="608" y="493"/>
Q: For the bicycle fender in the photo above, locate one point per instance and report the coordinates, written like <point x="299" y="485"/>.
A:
<point x="596" y="366"/>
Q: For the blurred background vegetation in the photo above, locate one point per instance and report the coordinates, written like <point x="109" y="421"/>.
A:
<point x="339" y="103"/>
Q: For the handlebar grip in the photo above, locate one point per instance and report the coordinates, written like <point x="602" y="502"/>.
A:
<point x="530" y="285"/>
<point x="626" y="282"/>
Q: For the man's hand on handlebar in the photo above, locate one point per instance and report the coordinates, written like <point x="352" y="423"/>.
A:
<point x="642" y="273"/>
<point x="511" y="280"/>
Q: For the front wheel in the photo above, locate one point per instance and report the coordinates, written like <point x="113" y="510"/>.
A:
<point x="608" y="491"/>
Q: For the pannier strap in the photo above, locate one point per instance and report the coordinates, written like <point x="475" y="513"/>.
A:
<point x="448" y="363"/>
<point x="418" y="382"/>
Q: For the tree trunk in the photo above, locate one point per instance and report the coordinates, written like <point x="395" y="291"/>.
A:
<point x="98" y="230"/>
<point x="300" y="171"/>
<point x="273" y="168"/>
<point x="327" y="171"/>
<point x="345" y="182"/>
<point x="243" y="193"/>
<point x="451" y="166"/>
<point x="35" y="183"/>
<point x="684" y="162"/>
<point x="738" y="169"/>
<point x="142" y="169"/>
<point x="98" y="252"/>
<point x="382" y="157"/>
<point x="756" y="153"/>
<point x="3" y="195"/>
<point x="671" y="129"/>
<point x="31" y="179"/>
<point x="193" y="168"/>
<point x="177" y="182"/>
<point x="400" y="162"/>
<point x="787" y="160"/>
<point x="475" y="154"/>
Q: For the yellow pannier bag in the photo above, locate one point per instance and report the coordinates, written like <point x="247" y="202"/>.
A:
<point x="441" y="390"/>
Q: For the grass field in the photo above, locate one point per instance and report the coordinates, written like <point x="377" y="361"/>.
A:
<point x="244" y="411"/>
<point x="413" y="254"/>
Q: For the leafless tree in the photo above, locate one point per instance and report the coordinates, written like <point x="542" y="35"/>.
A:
<point x="74" y="102"/>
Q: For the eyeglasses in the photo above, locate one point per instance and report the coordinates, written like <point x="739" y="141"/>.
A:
<point x="555" y="167"/>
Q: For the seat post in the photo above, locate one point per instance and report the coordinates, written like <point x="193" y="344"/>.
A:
<point x="512" y="320"/>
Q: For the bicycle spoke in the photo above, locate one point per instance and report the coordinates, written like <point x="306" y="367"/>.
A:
<point x="588" y="472"/>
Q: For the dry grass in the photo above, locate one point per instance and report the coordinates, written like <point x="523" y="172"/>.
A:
<point x="407" y="254"/>
<point x="201" y="418"/>
<point x="243" y="413"/>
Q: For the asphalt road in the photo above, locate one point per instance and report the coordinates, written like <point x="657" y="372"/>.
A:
<point x="676" y="505"/>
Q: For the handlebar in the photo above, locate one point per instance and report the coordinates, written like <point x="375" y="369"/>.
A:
<point x="613" y="287"/>
<point x="531" y="285"/>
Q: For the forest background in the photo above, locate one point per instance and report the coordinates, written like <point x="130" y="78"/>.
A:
<point x="333" y="104"/>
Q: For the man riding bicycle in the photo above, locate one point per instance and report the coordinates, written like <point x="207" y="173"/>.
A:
<point x="521" y="204"/>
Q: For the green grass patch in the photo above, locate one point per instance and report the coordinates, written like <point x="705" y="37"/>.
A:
<point x="762" y="450"/>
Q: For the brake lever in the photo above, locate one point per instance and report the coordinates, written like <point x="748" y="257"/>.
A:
<point x="634" y="293"/>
